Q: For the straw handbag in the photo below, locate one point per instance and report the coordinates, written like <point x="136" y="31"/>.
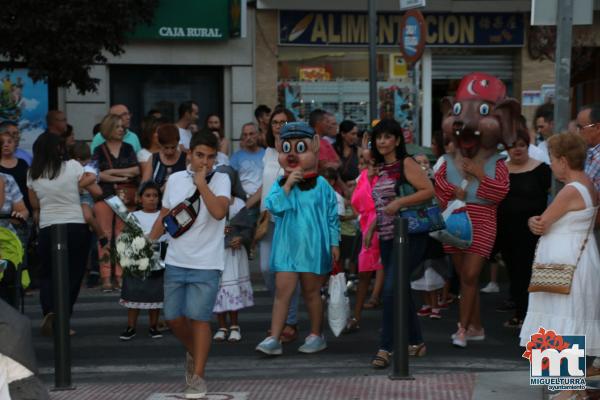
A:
<point x="554" y="277"/>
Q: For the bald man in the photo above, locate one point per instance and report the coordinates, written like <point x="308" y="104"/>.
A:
<point x="130" y="137"/>
<point x="56" y="121"/>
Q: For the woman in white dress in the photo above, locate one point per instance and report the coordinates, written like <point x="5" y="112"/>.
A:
<point x="565" y="227"/>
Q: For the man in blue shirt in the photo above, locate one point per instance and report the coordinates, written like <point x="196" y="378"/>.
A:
<point x="130" y="137"/>
<point x="248" y="162"/>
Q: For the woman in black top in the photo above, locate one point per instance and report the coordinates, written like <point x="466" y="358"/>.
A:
<point x="119" y="170"/>
<point x="530" y="180"/>
<point x="345" y="147"/>
<point x="13" y="166"/>
<point x="169" y="158"/>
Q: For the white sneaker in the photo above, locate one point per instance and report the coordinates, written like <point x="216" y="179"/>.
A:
<point x="235" y="334"/>
<point x="491" y="287"/>
<point x="196" y="388"/>
<point x="221" y="335"/>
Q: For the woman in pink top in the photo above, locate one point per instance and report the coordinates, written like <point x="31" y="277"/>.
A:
<point x="369" y="259"/>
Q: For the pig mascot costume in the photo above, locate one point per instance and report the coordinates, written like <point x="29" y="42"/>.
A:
<point x="306" y="236"/>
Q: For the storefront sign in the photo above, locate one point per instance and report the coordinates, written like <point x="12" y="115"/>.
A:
<point x="412" y="31"/>
<point x="193" y="20"/>
<point x="441" y="30"/>
<point x="25" y="103"/>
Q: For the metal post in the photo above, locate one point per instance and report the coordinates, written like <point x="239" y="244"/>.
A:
<point x="62" y="308"/>
<point x="373" y="114"/>
<point x="562" y="66"/>
<point x="401" y="293"/>
<point x="416" y="108"/>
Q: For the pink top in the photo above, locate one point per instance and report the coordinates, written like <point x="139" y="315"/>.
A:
<point x="362" y="201"/>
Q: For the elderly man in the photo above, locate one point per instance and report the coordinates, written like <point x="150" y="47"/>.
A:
<point x="588" y="126"/>
<point x="130" y="137"/>
<point x="248" y="162"/>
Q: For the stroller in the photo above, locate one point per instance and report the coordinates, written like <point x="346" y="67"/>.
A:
<point x="13" y="278"/>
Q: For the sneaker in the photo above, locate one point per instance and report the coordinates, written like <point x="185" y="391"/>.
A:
<point x="189" y="367"/>
<point x="154" y="333"/>
<point x="313" y="344"/>
<point x="435" y="313"/>
<point x="128" y="334"/>
<point x="459" y="339"/>
<point x="491" y="287"/>
<point x="47" y="328"/>
<point x="234" y="334"/>
<point x="196" y="388"/>
<point x="425" y="311"/>
<point x="270" y="346"/>
<point x="221" y="335"/>
<point x="473" y="335"/>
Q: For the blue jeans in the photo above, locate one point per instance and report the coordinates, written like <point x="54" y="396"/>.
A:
<point x="190" y="293"/>
<point x="269" y="276"/>
<point x="416" y="249"/>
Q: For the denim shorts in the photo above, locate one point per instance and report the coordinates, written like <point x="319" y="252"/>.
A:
<point x="190" y="293"/>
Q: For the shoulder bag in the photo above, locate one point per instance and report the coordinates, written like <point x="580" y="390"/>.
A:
<point x="554" y="277"/>
<point x="422" y="218"/>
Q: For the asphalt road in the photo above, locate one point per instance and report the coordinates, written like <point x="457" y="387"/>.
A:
<point x="99" y="356"/>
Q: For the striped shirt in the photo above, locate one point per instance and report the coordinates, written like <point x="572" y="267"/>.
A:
<point x="592" y="166"/>
<point x="483" y="217"/>
<point x="384" y="192"/>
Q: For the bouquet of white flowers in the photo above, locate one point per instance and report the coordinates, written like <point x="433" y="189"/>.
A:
<point x="136" y="254"/>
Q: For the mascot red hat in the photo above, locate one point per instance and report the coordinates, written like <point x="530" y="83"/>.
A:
<point x="481" y="86"/>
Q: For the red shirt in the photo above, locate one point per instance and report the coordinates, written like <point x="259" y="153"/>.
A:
<point x="327" y="153"/>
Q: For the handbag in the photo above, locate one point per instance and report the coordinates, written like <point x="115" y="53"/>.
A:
<point x="459" y="230"/>
<point x="262" y="225"/>
<point x="422" y="218"/>
<point x="555" y="277"/>
<point x="125" y="191"/>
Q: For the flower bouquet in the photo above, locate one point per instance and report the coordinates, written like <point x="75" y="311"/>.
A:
<point x="137" y="255"/>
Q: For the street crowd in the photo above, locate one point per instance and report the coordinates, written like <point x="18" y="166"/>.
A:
<point x="243" y="198"/>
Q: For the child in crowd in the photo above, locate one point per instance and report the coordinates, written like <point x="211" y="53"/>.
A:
<point x="434" y="268"/>
<point x="80" y="151"/>
<point x="195" y="258"/>
<point x="306" y="237"/>
<point x="369" y="259"/>
<point x="146" y="294"/>
<point x="235" y="291"/>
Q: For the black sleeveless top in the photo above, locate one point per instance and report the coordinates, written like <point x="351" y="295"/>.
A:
<point x="161" y="171"/>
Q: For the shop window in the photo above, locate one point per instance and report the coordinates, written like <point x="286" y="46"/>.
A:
<point x="143" y="88"/>
<point x="338" y="82"/>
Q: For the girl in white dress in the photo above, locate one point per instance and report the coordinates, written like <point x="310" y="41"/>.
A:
<point x="235" y="291"/>
<point x="565" y="227"/>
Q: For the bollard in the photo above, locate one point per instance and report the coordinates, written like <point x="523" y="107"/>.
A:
<point x="401" y="293"/>
<point x="62" y="308"/>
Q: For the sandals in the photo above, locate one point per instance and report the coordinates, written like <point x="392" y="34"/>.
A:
<point x="221" y="335"/>
<point x="372" y="303"/>
<point x="352" y="326"/>
<point x="417" y="350"/>
<point x="514" y="323"/>
<point x="381" y="360"/>
<point x="287" y="336"/>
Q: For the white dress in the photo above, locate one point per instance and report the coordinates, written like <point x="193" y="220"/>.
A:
<point x="235" y="291"/>
<point x="577" y="313"/>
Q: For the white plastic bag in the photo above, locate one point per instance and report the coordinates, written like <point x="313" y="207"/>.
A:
<point x="338" y="309"/>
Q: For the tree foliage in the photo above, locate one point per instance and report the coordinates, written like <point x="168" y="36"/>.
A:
<point x="59" y="40"/>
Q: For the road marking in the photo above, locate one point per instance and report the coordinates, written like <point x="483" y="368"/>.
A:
<point x="209" y="396"/>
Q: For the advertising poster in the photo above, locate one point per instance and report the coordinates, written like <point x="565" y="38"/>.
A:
<point x="25" y="103"/>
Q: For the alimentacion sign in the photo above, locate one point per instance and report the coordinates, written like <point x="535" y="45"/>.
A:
<point x="441" y="29"/>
